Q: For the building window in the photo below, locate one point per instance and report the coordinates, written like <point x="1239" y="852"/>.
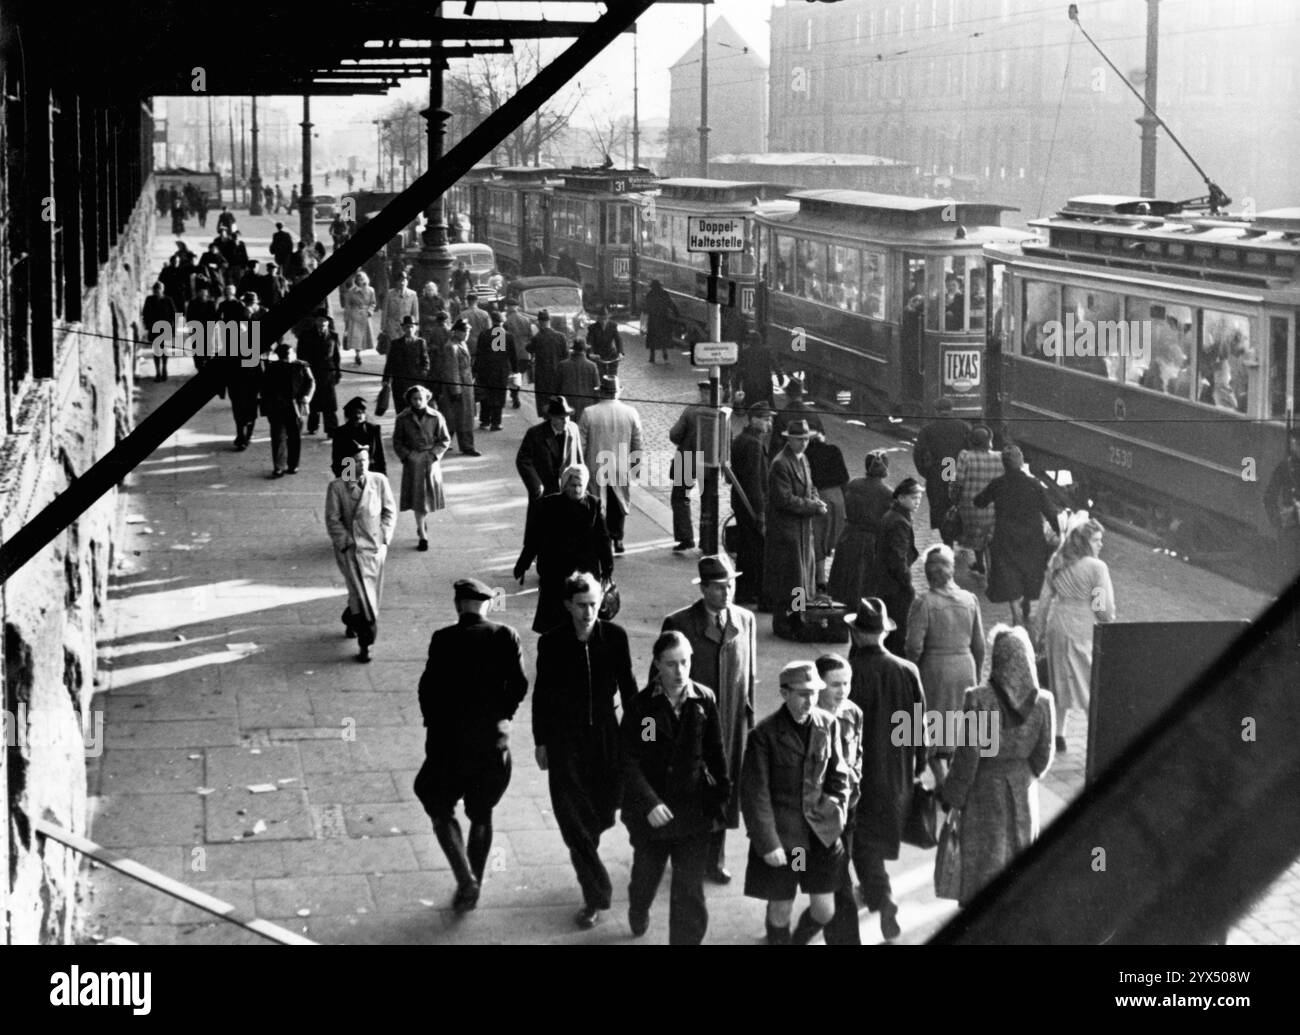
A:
<point x="809" y="42"/>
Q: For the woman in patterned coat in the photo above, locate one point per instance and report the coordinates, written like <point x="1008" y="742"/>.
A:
<point x="976" y="468"/>
<point x="420" y="437"/>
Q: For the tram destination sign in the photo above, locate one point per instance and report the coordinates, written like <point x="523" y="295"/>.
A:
<point x="715" y="234"/>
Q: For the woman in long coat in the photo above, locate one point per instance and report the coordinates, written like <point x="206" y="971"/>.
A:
<point x="998" y="795"/>
<point x="660" y="311"/>
<point x="976" y="468"/>
<point x="455" y="377"/>
<point x="360" y="517"/>
<point x="895" y="555"/>
<point x="866" y="502"/>
<point x="420" y="437"/>
<point x="358" y="304"/>
<point x="565" y="533"/>
<point x="945" y="638"/>
<point x="1078" y="595"/>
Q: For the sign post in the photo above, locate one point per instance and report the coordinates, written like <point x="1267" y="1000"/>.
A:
<point x="715" y="235"/>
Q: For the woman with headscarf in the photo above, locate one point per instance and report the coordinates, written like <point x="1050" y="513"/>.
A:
<point x="866" y="502"/>
<point x="1078" y="594"/>
<point x="945" y="639"/>
<point x="895" y="555"/>
<point x="420" y="437"/>
<point x="358" y="304"/>
<point x="360" y="518"/>
<point x="565" y="533"/>
<point x="994" y="774"/>
<point x="660" y="311"/>
<point x="976" y="468"/>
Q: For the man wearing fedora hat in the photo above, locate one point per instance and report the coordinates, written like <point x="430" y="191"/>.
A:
<point x="797" y="407"/>
<point x="789" y="558"/>
<point x="407" y="362"/>
<point x="611" y="442"/>
<point x="794" y="796"/>
<point x="471" y="688"/>
<point x="548" y="448"/>
<point x="724" y="649"/>
<point x="883" y="684"/>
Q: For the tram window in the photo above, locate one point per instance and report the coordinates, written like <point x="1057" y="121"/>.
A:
<point x="844" y="279"/>
<point x="1277" y="367"/>
<point x="1168" y="337"/>
<point x="621" y="224"/>
<point x="1228" y="362"/>
<point x="1042" y="304"/>
<point x="977" y="296"/>
<point x="946" y="303"/>
<point x="873" y="285"/>
<point x="1098" y="335"/>
<point x="784" y="263"/>
<point x="743" y="264"/>
<point x="810" y="270"/>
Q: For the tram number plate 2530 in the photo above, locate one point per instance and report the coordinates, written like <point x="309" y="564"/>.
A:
<point x="1121" y="457"/>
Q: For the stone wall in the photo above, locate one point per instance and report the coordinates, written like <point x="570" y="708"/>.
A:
<point x="53" y="606"/>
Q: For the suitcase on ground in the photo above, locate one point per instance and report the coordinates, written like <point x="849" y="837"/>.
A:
<point x="821" y="621"/>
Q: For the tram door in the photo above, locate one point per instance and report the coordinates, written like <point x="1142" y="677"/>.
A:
<point x="911" y="328"/>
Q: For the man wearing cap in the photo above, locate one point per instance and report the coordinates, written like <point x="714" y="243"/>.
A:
<point x="400" y="302"/>
<point x="750" y="464"/>
<point x="407" y="362"/>
<point x="360" y="516"/>
<point x="685" y="435"/>
<point x="789" y="561"/>
<point x="548" y="349"/>
<point x="478" y="321"/>
<point x="578" y="379"/>
<point x="318" y="347"/>
<point x="357" y="433"/>
<point x="611" y="442"/>
<point x="582" y="666"/>
<point x="471" y="688"/>
<point x="797" y="407"/>
<point x="495" y="360"/>
<point x="724" y="657"/>
<point x="548" y="448"/>
<point x="935" y="454"/>
<point x="794" y="796"/>
<point x="455" y="383"/>
<point x="287" y="388"/>
<point x="604" y="344"/>
<point x="883" y="685"/>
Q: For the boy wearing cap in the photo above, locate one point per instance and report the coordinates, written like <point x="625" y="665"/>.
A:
<point x="794" y="796"/>
<point x="471" y="688"/>
<point x="837" y="674"/>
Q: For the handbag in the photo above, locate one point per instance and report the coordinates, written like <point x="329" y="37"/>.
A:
<point x="384" y="400"/>
<point x="950" y="525"/>
<point x="820" y="621"/>
<point x="947" y="861"/>
<point x="610" y="603"/>
<point x="381" y="344"/>
<point x="921" y="828"/>
<point x="731" y="536"/>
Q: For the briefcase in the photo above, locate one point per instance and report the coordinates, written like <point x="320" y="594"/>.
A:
<point x="821" y="621"/>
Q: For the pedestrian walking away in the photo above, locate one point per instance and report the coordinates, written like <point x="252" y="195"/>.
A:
<point x="977" y="467"/>
<point x="794" y="795"/>
<point x="578" y="380"/>
<point x="583" y="666"/>
<point x="611" y="443"/>
<point x="829" y="475"/>
<point x="660" y="311"/>
<point x="360" y="516"/>
<point x="866" y="502"/>
<point x="937" y="448"/>
<point x="685" y="436"/>
<point x="287" y="389"/>
<point x="420" y="437"/>
<point x="473" y="683"/>
<point x="895" y="555"/>
<point x="675" y="783"/>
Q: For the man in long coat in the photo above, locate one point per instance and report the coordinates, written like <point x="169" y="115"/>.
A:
<point x="789" y="560"/>
<point x="935" y="454"/>
<point x="611" y="442"/>
<point x="287" y="388"/>
<point x="281" y="245"/>
<point x="750" y="464"/>
<point x="495" y="359"/>
<point x="685" y="437"/>
<point x="581" y="666"/>
<point x="724" y="657"/>
<point x="360" y="515"/>
<point x="578" y="379"/>
<point x="467" y="734"/>
<point x="883" y="684"/>
<point x="548" y="449"/>
<point x="521" y="328"/>
<point x="548" y="349"/>
<point x="399" y="303"/>
<point x="318" y="347"/>
<point x="455" y="385"/>
<point x="660" y="312"/>
<point x="407" y="362"/>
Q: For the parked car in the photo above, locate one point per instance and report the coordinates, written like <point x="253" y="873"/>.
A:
<point x="481" y="262"/>
<point x="327" y="207"/>
<point x="561" y="297"/>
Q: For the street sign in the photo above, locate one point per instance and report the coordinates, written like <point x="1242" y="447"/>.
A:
<point x="715" y="353"/>
<point x="715" y="233"/>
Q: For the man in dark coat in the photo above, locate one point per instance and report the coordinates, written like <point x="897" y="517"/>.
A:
<point x="578" y="379"/>
<point x="273" y="286"/>
<point x="895" y="555"/>
<point x="581" y="666"/>
<point x="471" y="688"/>
<point x="749" y="465"/>
<point x="660" y="312"/>
<point x="495" y="359"/>
<point x="548" y="349"/>
<point x="318" y="347"/>
<point x="797" y="407"/>
<point x="407" y="363"/>
<point x="754" y="369"/>
<point x="158" y="322"/>
<point x="724" y="657"/>
<point x="1019" y="551"/>
<point x="202" y="311"/>
<point x="240" y="264"/>
<point x="685" y="437"/>
<point x="251" y="281"/>
<point x="281" y="244"/>
<point x="226" y="221"/>
<point x="287" y="388"/>
<point x="548" y="449"/>
<point x="935" y="455"/>
<point x="604" y="345"/>
<point x="883" y="684"/>
<point x="245" y="378"/>
<point x="674" y="781"/>
<point x="355" y="433"/>
<point x="789" y="560"/>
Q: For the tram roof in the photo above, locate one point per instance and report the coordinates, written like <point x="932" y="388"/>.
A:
<point x="896" y="210"/>
<point x="813" y="159"/>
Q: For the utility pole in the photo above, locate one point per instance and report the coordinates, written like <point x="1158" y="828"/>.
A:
<point x="307" y="199"/>
<point x="710" y="533"/>
<point x="434" y="262"/>
<point x="234" y="173"/>
<point x="379" y="147"/>
<point x="636" y="110"/>
<point x="255" y="177"/>
<point x="212" y="151"/>
<point x="1149" y="123"/>
<point x="704" y="98"/>
<point x="243" y="155"/>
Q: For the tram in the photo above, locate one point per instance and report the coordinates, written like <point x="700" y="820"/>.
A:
<point x="880" y="296"/>
<point x="1151" y="354"/>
